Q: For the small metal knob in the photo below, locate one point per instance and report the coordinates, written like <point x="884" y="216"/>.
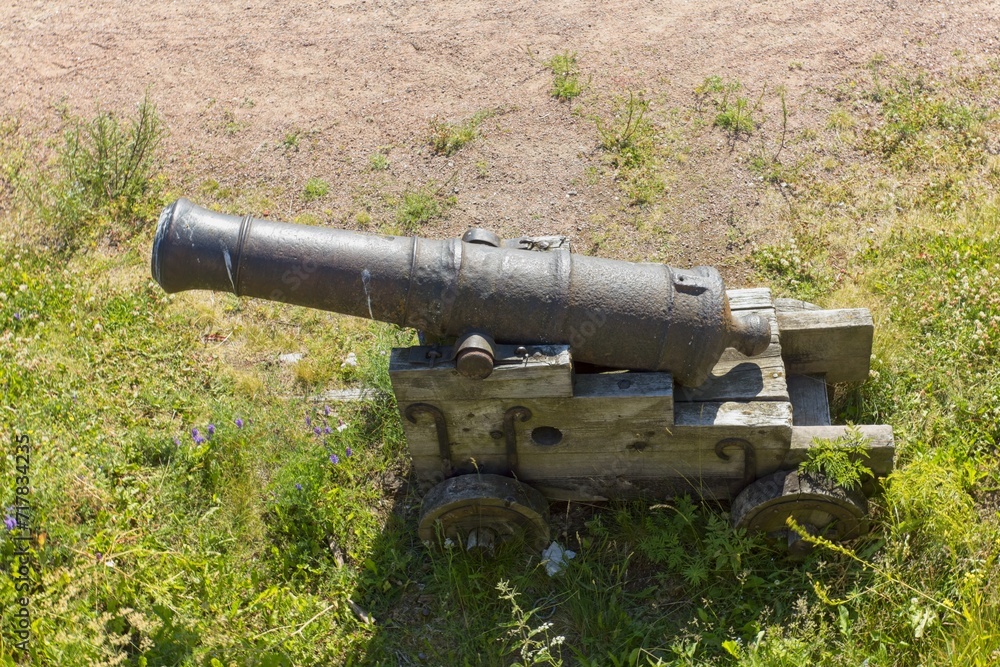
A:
<point x="474" y="355"/>
<point x="475" y="364"/>
<point x="751" y="333"/>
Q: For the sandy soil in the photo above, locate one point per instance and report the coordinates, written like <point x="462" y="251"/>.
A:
<point x="232" y="80"/>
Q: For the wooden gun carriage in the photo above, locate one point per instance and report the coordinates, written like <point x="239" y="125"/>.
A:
<point x="569" y="436"/>
<point x="560" y="377"/>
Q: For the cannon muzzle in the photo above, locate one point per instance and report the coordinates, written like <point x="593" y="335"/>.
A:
<point x="612" y="313"/>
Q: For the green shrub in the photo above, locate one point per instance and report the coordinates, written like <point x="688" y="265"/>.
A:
<point x="103" y="177"/>
<point x="841" y="461"/>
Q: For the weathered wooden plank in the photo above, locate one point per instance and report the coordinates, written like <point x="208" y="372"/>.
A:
<point x="784" y="305"/>
<point x="749" y="299"/>
<point x="882" y="445"/>
<point x="835" y="342"/>
<point x="753" y="414"/>
<point x="810" y="401"/>
<point x="534" y="464"/>
<point x="759" y="378"/>
<point x="586" y="424"/>
<point x="626" y="386"/>
<point x="610" y="439"/>
<point x="599" y="489"/>
<point x="547" y="371"/>
<point x="351" y="395"/>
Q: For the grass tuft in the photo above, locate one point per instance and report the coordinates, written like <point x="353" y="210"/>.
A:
<point x="448" y="138"/>
<point x="414" y="208"/>
<point x="315" y="188"/>
<point x="378" y="161"/>
<point x="629" y="141"/>
<point x="566" y="76"/>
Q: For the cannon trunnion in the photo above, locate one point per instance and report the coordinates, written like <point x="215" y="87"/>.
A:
<point x="560" y="377"/>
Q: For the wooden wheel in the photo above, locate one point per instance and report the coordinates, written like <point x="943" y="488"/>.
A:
<point x="480" y="510"/>
<point x="820" y="507"/>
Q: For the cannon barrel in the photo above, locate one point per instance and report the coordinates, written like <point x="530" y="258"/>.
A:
<point x="639" y="316"/>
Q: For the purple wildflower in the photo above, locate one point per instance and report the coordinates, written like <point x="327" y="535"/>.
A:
<point x="334" y="459"/>
<point x="211" y="430"/>
<point x="317" y="430"/>
<point x="197" y="437"/>
<point x="17" y="316"/>
<point x="10" y="522"/>
<point x="326" y="410"/>
<point x="327" y="430"/>
<point x="298" y="487"/>
<point x="348" y="452"/>
<point x="177" y="441"/>
<point x="239" y="423"/>
<point x="309" y="421"/>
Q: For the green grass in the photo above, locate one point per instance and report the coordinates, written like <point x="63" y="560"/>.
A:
<point x="416" y="207"/>
<point x="448" y="138"/>
<point x="735" y="113"/>
<point x="292" y="140"/>
<point x="630" y="140"/>
<point x="255" y="548"/>
<point x="102" y="177"/>
<point x="315" y="188"/>
<point x="378" y="161"/>
<point x="565" y="76"/>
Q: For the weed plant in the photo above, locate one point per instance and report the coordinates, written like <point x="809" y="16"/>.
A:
<point x="448" y="138"/>
<point x="102" y="179"/>
<point x="565" y="76"/>
<point x="315" y="188"/>
<point x="378" y="161"/>
<point x="734" y="112"/>
<point x="629" y="140"/>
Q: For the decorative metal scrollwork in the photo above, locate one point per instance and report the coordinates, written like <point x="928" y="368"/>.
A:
<point x="444" y="444"/>
<point x="510" y="433"/>
<point x="749" y="457"/>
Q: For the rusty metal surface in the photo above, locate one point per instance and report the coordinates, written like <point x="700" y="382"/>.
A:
<point x="616" y="314"/>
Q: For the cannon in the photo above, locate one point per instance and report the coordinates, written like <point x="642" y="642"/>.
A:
<point x="545" y="375"/>
<point x="614" y="314"/>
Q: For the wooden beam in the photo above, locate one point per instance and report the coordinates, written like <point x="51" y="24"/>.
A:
<point x="753" y="298"/>
<point x="882" y="445"/>
<point x="835" y="342"/>
<point x="545" y="374"/>
<point x="810" y="401"/>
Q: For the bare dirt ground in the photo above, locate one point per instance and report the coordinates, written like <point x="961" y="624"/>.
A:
<point x="260" y="96"/>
